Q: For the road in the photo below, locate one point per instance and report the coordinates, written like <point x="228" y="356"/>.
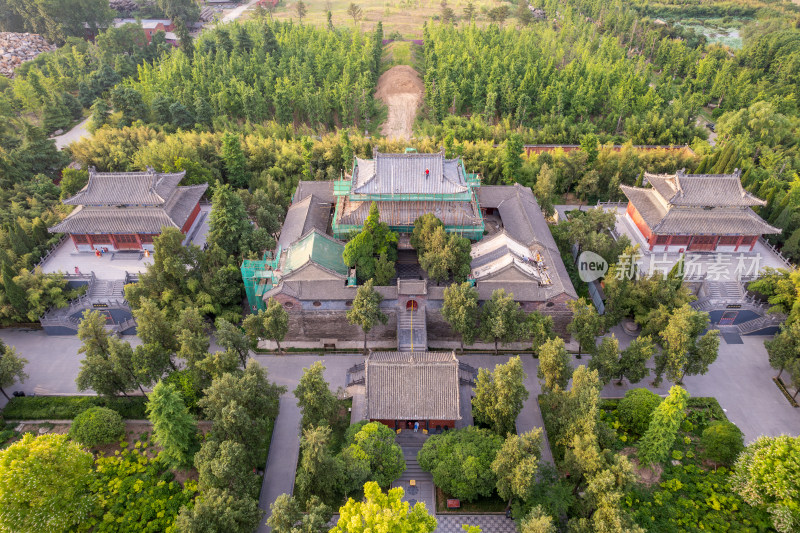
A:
<point x="740" y="379"/>
<point x="237" y="12"/>
<point x="75" y="134"/>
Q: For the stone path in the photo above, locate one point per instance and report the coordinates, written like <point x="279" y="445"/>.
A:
<point x="77" y="133"/>
<point x="283" y="453"/>
<point x="488" y="523"/>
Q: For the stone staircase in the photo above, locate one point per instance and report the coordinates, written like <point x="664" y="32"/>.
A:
<point x="411" y="443"/>
<point x="731" y="291"/>
<point x="103" y="290"/>
<point x="412" y="328"/>
<point x="766" y="321"/>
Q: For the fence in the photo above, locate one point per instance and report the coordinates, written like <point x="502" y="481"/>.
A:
<point x="50" y="251"/>
<point x="777" y="252"/>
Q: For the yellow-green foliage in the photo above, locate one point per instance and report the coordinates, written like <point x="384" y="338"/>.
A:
<point x="136" y="494"/>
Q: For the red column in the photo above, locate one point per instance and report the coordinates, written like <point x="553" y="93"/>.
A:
<point x="738" y="243"/>
<point x="689" y="246"/>
<point x="138" y="240"/>
<point x="716" y="243"/>
<point x="71" y="236"/>
<point x="669" y="241"/>
<point x="113" y="241"/>
<point x="753" y="241"/>
<point x="652" y="240"/>
<point x="91" y="241"/>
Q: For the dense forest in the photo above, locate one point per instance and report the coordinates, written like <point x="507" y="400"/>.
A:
<point x="259" y="71"/>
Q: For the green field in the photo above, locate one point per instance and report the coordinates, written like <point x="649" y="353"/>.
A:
<point x="402" y="16"/>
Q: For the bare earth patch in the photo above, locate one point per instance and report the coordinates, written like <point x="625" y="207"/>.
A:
<point x="401" y="89"/>
<point x="644" y="474"/>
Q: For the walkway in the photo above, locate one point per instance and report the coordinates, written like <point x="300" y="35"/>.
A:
<point x="75" y="134"/>
<point x="237" y="12"/>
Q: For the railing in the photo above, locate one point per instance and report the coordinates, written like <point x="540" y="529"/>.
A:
<point x="777" y="252"/>
<point x="131" y="278"/>
<point x="122" y="326"/>
<point x="50" y="251"/>
<point x="612" y="204"/>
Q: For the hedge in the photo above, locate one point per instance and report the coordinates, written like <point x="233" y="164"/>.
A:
<point x="700" y="403"/>
<point x="68" y="407"/>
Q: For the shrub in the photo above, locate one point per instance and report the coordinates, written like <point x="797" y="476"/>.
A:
<point x="636" y="409"/>
<point x="68" y="407"/>
<point x="96" y="426"/>
<point x="722" y="442"/>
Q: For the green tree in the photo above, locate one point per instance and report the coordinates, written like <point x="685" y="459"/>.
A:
<point x="383" y="512"/>
<point x="314" y="397"/>
<point x="234" y="162"/>
<point x="102" y="368"/>
<point x="366" y="311"/>
<point x="784" y="348"/>
<point x="12" y="368"/>
<point x="765" y="476"/>
<point x="469" y="11"/>
<point x="228" y="225"/>
<point x="14" y="293"/>
<point x="540" y="329"/>
<point x="517" y="464"/>
<point x="96" y="426"/>
<point x="663" y="428"/>
<point x="512" y="157"/>
<point x="633" y="360"/>
<point x="231" y="337"/>
<point x="683" y="354"/>
<point x="606" y="359"/>
<point x="586" y="325"/>
<point x="225" y="465"/>
<point x="242" y="406"/>
<point x="636" y="409"/>
<point x="722" y="442"/>
<point x="319" y="473"/>
<point x="538" y="521"/>
<point x="375" y="240"/>
<point x="174" y="428"/>
<point x="502" y="320"/>
<point x="271" y="324"/>
<point x="460" y="461"/>
<point x="555" y="365"/>
<point x="287" y="515"/>
<point x="45" y="484"/>
<point x="460" y="310"/>
<point x="218" y="510"/>
<point x="500" y="396"/>
<point x="374" y="448"/>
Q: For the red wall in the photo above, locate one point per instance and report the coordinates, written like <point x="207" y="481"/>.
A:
<point x="190" y="220"/>
<point x="431" y="423"/>
<point x="639" y="221"/>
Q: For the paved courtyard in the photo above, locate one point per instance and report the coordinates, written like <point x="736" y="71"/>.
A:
<point x="740" y="379"/>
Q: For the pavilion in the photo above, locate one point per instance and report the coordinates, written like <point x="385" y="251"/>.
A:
<point x="699" y="212"/>
<point x="126" y="210"/>
<point x="404" y="388"/>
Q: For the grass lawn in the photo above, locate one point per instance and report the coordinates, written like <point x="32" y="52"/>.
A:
<point x="404" y="17"/>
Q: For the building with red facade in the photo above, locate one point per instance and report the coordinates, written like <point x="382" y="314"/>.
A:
<point x="699" y="212"/>
<point x="126" y="210"/>
<point x="408" y="388"/>
<point x="151" y="27"/>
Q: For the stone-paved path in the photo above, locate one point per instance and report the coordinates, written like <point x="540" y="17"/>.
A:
<point x="488" y="523"/>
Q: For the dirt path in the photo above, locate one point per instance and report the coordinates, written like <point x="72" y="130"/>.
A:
<point x="75" y="134"/>
<point x="401" y="89"/>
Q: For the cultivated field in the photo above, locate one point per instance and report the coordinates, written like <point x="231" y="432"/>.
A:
<point x="402" y="16"/>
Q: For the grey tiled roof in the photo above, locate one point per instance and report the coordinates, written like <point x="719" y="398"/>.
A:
<point x="303" y="216"/>
<point x="412" y="386"/>
<point x="524" y="222"/>
<point x="701" y="190"/>
<point x="405" y="174"/>
<point x="405" y="213"/>
<point x="126" y="220"/>
<point x="692" y="220"/>
<point x="106" y="220"/>
<point x="323" y="190"/>
<point x="718" y="221"/>
<point x="127" y="188"/>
